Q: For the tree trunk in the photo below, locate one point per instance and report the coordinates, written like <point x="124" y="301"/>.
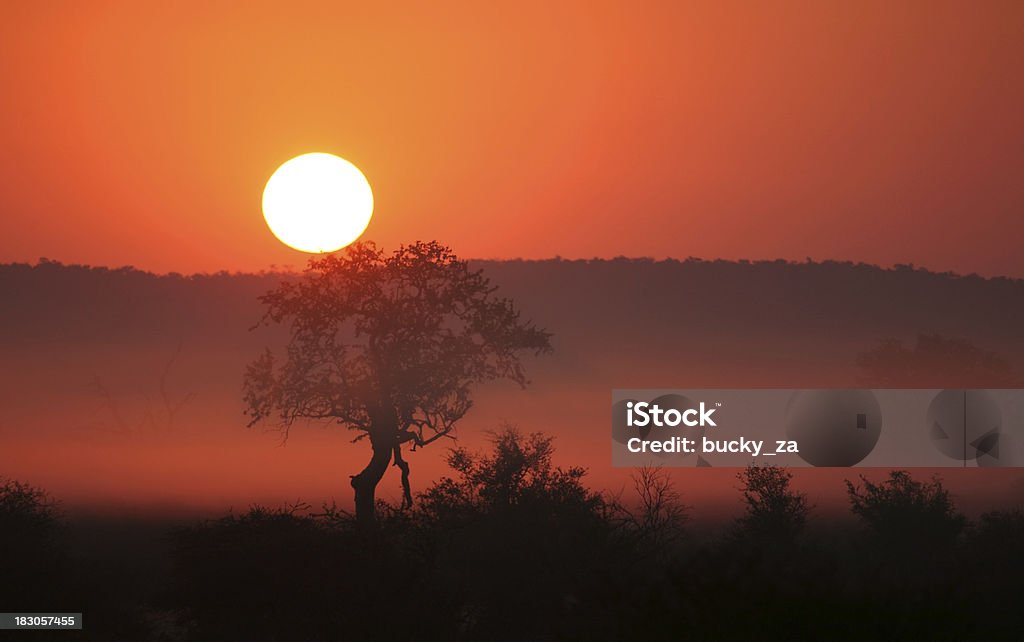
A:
<point x="404" y="467"/>
<point x="365" y="483"/>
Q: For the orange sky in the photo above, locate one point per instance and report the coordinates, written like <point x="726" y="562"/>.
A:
<point x="143" y="133"/>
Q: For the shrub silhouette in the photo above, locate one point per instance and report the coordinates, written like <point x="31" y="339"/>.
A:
<point x="761" y="578"/>
<point x="906" y="566"/>
<point x="286" y="574"/>
<point x="522" y="543"/>
<point x="775" y="514"/>
<point x="509" y="547"/>
<point x="517" y="475"/>
<point x="902" y="514"/>
<point x="34" y="563"/>
<point x="657" y="521"/>
<point x="512" y="547"/>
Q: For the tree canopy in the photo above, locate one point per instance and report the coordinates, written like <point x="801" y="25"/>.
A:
<point x="390" y="346"/>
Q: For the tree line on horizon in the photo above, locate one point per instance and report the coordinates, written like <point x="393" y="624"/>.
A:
<point x="46" y="264"/>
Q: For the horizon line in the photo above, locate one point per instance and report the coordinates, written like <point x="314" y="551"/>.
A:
<point x="274" y="269"/>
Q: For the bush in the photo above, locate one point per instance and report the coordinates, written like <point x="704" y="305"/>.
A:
<point x="33" y="564"/>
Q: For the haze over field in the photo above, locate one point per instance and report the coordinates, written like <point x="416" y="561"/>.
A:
<point x="123" y="389"/>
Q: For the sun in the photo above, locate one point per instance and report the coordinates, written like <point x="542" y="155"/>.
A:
<point x="317" y="203"/>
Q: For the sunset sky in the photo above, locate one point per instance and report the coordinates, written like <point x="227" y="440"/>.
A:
<point x="143" y="133"/>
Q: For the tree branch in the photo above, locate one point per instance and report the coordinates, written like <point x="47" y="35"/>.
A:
<point x="404" y="467"/>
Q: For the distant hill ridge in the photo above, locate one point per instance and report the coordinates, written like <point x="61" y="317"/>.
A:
<point x="642" y="305"/>
<point x="45" y="263"/>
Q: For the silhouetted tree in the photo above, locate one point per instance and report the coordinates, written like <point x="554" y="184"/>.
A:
<point x="154" y="417"/>
<point x="934" y="361"/>
<point x="390" y="346"/>
<point x="907" y="565"/>
<point x="905" y="513"/>
<point x="765" y="580"/>
<point x="775" y="513"/>
<point x="657" y="517"/>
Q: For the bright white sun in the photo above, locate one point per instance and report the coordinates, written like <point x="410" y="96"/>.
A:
<point x="317" y="203"/>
